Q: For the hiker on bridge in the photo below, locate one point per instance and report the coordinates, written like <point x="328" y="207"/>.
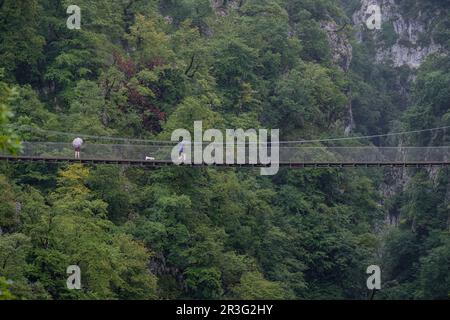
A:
<point x="77" y="142"/>
<point x="181" y="153"/>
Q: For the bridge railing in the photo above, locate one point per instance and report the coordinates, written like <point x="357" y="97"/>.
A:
<point x="287" y="154"/>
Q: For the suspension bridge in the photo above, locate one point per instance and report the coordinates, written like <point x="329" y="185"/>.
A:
<point x="292" y="154"/>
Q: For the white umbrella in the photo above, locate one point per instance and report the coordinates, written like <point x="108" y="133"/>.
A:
<point x="77" y="142"/>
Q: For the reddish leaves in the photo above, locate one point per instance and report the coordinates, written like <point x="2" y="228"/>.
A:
<point x="151" y="115"/>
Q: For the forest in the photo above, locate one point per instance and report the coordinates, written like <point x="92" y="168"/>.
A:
<point x="140" y="69"/>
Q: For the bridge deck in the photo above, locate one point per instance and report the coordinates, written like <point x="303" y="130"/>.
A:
<point x="165" y="163"/>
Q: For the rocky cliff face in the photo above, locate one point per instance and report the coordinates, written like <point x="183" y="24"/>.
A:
<point x="405" y="38"/>
<point x="340" y="46"/>
<point x="342" y="55"/>
<point x="221" y="7"/>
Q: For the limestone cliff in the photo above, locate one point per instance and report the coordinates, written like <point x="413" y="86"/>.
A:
<point x="406" y="35"/>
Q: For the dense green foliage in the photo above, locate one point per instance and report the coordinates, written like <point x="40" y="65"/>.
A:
<point x="417" y="254"/>
<point x="142" y="68"/>
<point x="8" y="140"/>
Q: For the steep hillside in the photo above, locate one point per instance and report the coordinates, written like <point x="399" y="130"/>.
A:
<point x="139" y="69"/>
<point x="411" y="53"/>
